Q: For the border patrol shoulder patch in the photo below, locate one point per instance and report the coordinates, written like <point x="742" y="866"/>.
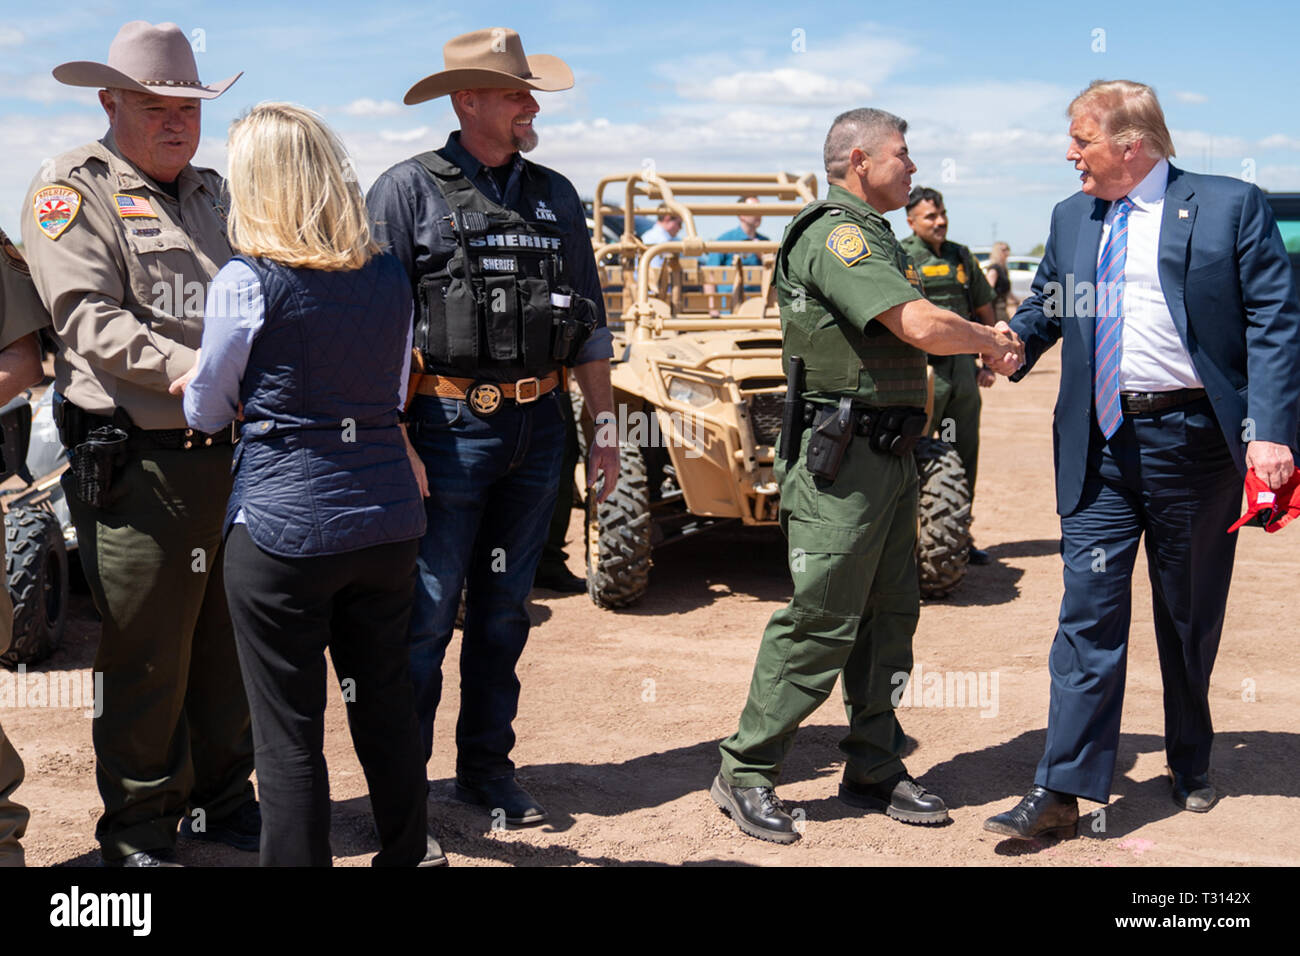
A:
<point x="54" y="208"/>
<point x="847" y="243"/>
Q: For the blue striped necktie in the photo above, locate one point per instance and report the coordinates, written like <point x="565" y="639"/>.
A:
<point x="1110" y="321"/>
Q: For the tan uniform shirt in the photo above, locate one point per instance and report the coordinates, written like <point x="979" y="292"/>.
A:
<point x="123" y="269"/>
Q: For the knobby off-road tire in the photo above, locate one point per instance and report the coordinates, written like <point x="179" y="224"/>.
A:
<point x="36" y="567"/>
<point x="943" y="537"/>
<point x="618" y="536"/>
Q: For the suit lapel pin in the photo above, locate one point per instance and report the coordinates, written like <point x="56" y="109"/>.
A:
<point x="1182" y="214"/>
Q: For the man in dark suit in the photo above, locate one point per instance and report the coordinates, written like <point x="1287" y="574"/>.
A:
<point x="1180" y="368"/>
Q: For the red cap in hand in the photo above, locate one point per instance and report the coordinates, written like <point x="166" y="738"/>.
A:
<point x="1279" y="508"/>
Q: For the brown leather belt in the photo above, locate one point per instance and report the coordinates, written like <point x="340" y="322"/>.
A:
<point x="1143" y="403"/>
<point x="523" y="391"/>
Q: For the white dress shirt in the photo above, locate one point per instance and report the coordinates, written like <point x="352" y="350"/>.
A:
<point x="1152" y="356"/>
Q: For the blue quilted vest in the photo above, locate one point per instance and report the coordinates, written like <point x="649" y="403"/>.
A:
<point x="321" y="467"/>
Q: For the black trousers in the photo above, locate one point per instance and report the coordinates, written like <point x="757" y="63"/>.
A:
<point x="286" y="612"/>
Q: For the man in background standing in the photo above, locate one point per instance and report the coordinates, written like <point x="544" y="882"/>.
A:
<point x="952" y="280"/>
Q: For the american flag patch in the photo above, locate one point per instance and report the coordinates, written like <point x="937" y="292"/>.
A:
<point x="129" y="207"/>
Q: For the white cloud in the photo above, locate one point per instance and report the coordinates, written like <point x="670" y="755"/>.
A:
<point x="11" y="37"/>
<point x="43" y="88"/>
<point x="404" y="135"/>
<point x="842" y="72"/>
<point x="783" y="85"/>
<point x="1186" y="96"/>
<point x="368" y="107"/>
<point x="1280" y="141"/>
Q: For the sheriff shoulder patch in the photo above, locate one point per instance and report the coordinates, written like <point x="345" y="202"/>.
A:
<point x="132" y="207"/>
<point x="54" y="208"/>
<point x="847" y="243"/>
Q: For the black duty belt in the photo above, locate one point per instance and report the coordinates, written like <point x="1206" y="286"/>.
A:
<point x="1144" y="403"/>
<point x="865" y="417"/>
<point x="178" y="439"/>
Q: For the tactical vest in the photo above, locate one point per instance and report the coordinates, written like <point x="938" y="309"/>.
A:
<point x="877" y="368"/>
<point x="321" y="466"/>
<point x="501" y="301"/>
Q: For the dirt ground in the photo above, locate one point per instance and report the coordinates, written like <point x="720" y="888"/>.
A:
<point x="621" y="712"/>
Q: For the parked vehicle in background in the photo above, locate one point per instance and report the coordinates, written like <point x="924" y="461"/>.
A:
<point x="1286" y="210"/>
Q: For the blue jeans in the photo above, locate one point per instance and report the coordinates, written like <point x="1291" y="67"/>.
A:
<point x="492" y="486"/>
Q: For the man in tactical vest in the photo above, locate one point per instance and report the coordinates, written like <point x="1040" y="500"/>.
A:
<point x="954" y="281"/>
<point x="21" y="315"/>
<point x="507" y="295"/>
<point x="855" y="332"/>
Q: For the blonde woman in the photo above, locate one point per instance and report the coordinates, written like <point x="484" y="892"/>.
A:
<point x="308" y="329"/>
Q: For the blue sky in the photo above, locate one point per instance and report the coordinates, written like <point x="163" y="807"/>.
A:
<point x="717" y="86"/>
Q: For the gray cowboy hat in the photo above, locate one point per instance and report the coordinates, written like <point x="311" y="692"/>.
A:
<point x="147" y="59"/>
<point x="491" y="59"/>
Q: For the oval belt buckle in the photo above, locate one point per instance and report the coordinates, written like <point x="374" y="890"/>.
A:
<point x="484" y="398"/>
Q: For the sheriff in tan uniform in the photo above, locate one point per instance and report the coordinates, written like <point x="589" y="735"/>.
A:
<point x="21" y="314"/>
<point x="123" y="236"/>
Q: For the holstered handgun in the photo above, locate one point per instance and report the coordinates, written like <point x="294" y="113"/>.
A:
<point x="792" y="419"/>
<point x="829" y="439"/>
<point x="95" y="462"/>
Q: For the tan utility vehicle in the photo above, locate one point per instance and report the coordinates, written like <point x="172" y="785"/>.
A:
<point x="698" y="398"/>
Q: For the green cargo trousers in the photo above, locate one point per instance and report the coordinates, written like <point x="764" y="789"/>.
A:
<point x="855" y="607"/>
<point x="957" y="397"/>
<point x="174" y="733"/>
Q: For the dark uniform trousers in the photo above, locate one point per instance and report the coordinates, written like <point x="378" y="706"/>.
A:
<point x="855" y="607"/>
<point x="174" y="733"/>
<point x="13" y="816"/>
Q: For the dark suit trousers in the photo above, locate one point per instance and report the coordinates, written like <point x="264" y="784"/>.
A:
<point x="1168" y="475"/>
<point x="286" y="612"/>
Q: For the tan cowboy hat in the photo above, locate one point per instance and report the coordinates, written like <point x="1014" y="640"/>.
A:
<point x="491" y="59"/>
<point x="147" y="59"/>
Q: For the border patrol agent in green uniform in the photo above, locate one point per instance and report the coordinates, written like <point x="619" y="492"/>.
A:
<point x="21" y="314"/>
<point x="856" y="331"/>
<point x="953" y="280"/>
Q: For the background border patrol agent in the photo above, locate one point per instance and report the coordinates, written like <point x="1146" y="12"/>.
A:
<point x="507" y="293"/>
<point x="952" y="280"/>
<point x="855" y="330"/>
<point x="122" y="238"/>
<point x="21" y="315"/>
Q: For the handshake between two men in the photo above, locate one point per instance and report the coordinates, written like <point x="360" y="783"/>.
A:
<point x="939" y="332"/>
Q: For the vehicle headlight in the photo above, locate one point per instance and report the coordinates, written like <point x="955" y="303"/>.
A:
<point x="690" y="393"/>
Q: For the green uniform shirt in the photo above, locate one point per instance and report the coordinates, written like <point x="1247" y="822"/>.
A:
<point x="952" y="279"/>
<point x="839" y="268"/>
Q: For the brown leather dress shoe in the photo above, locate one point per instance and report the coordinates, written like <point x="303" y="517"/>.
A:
<point x="1193" y="792"/>
<point x="1042" y="812"/>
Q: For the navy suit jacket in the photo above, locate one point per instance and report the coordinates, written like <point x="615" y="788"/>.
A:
<point x="1232" y="295"/>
